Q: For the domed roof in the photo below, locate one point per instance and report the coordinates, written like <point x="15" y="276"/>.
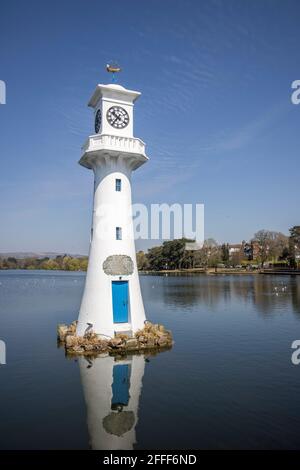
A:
<point x="115" y="86"/>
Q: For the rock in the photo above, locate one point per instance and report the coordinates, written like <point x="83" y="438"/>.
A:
<point x="72" y="327"/>
<point x="149" y="328"/>
<point x="122" y="336"/>
<point x="150" y="337"/>
<point x="131" y="344"/>
<point x="91" y="338"/>
<point x="62" y="331"/>
<point x="101" y="346"/>
<point x="81" y="340"/>
<point x="116" y="342"/>
<point x="70" y="341"/>
<point x="163" y="341"/>
<point x="160" y="334"/>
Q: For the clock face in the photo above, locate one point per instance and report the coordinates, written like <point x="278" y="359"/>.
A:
<point x="117" y="117"/>
<point x="97" y="121"/>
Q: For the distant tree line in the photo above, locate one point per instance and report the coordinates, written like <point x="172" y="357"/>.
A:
<point x="172" y="255"/>
<point x="265" y="246"/>
<point x="65" y="263"/>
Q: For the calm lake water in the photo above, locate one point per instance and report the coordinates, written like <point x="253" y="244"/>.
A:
<point x="228" y="382"/>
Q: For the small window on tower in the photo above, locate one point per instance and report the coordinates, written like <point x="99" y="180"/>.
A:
<point x="118" y="184"/>
<point x="118" y="233"/>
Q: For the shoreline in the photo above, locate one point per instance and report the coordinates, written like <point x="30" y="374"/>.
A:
<point x="209" y="271"/>
<point x="224" y="271"/>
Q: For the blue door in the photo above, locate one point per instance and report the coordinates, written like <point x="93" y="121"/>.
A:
<point x="120" y="301"/>
<point x="120" y="385"/>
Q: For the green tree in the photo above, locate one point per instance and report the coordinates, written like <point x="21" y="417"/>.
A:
<point x="50" y="264"/>
<point x="294" y="246"/>
<point x="83" y="264"/>
<point x="262" y="237"/>
<point x="73" y="264"/>
<point x="271" y="245"/>
<point x="11" y="262"/>
<point x="170" y="255"/>
<point x="278" y="243"/>
<point x="142" y="261"/>
<point x="236" y="258"/>
<point x="225" y="253"/>
<point x="155" y="258"/>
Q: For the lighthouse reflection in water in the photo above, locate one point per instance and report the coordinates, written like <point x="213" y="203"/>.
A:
<point x="112" y="388"/>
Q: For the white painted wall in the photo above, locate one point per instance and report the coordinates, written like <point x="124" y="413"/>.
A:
<point x="111" y="209"/>
<point x="106" y="96"/>
<point x="106" y="127"/>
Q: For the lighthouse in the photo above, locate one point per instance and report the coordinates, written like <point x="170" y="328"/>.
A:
<point x="112" y="301"/>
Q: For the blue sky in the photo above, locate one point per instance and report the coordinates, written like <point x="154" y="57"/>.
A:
<point x="215" y="112"/>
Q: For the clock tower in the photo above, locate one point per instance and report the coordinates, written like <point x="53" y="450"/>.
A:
<point x="112" y="300"/>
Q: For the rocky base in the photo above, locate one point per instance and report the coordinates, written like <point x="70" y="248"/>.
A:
<point x="151" y="337"/>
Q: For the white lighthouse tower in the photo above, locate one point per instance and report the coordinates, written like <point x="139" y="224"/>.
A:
<point x="112" y="300"/>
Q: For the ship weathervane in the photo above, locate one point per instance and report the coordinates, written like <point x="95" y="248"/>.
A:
<point x="113" y="68"/>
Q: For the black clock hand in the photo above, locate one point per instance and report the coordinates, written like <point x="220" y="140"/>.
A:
<point x="117" y="117"/>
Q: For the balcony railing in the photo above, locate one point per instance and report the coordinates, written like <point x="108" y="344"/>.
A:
<point x="113" y="142"/>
